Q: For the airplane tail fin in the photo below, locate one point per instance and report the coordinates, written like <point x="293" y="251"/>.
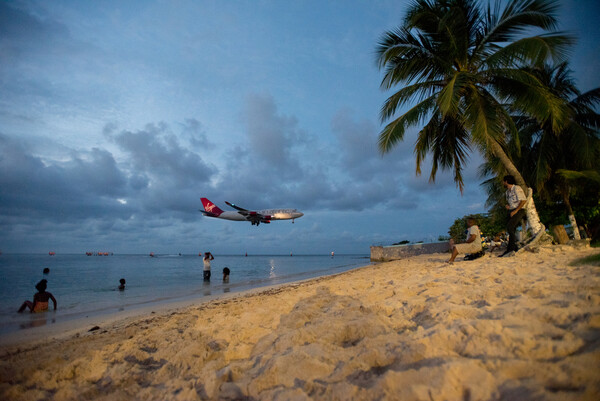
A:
<point x="210" y="208"/>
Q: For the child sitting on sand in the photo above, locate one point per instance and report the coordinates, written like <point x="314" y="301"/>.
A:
<point x="40" y="299"/>
<point x="471" y="245"/>
<point x="496" y="243"/>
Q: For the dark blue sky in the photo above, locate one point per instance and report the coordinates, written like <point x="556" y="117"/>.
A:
<point x="117" y="116"/>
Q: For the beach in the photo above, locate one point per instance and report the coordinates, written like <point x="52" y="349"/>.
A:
<point x="515" y="328"/>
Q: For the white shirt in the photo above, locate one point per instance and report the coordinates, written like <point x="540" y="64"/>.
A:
<point x="207" y="264"/>
<point x="514" y="196"/>
<point x="474" y="230"/>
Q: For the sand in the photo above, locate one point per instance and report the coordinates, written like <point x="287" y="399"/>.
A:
<point x="519" y="328"/>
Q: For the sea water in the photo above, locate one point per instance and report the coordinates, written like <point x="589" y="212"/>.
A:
<point x="87" y="285"/>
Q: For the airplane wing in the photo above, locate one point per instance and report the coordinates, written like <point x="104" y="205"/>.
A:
<point x="236" y="207"/>
<point x="254" y="217"/>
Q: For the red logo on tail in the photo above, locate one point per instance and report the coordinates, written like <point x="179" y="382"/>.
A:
<point x="211" y="207"/>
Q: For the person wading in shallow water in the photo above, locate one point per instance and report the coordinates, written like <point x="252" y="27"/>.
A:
<point x="207" y="258"/>
<point x="226" y="272"/>
<point x="40" y="299"/>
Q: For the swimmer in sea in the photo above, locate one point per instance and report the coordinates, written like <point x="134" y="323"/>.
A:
<point x="40" y="299"/>
<point x="122" y="285"/>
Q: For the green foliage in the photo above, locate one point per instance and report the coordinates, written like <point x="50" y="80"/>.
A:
<point x="458" y="230"/>
<point x="488" y="225"/>
<point x="458" y="63"/>
<point x="473" y="80"/>
<point x="561" y="165"/>
<point x="587" y="213"/>
<point x="588" y="260"/>
<point x="551" y="213"/>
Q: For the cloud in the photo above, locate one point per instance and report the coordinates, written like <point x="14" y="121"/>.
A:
<point x="357" y="145"/>
<point x="194" y="132"/>
<point x="150" y="183"/>
<point x="280" y="164"/>
<point x="25" y="33"/>
<point x="81" y="186"/>
<point x="156" y="176"/>
<point x="157" y="152"/>
<point x="115" y="120"/>
<point x="41" y="61"/>
<point x="272" y="136"/>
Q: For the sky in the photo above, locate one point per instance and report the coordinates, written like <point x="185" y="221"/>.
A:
<point x="116" y="117"/>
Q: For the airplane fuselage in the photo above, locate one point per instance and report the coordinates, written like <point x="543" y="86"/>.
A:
<point x="255" y="217"/>
<point x="274" y="214"/>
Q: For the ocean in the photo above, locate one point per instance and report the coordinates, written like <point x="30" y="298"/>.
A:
<point x="87" y="285"/>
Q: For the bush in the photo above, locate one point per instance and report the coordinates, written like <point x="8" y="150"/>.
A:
<point x="488" y="225"/>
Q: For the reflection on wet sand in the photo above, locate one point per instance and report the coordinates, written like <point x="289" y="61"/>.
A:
<point x="38" y="320"/>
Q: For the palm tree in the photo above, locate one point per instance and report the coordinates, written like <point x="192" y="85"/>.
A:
<point x="461" y="62"/>
<point x="553" y="159"/>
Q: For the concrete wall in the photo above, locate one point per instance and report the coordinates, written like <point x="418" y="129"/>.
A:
<point x="387" y="253"/>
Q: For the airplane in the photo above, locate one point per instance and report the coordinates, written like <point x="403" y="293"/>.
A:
<point x="254" y="217"/>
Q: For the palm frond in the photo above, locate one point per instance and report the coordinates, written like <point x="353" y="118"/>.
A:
<point x="417" y="91"/>
<point x="483" y="118"/>
<point x="448" y="142"/>
<point x="406" y="56"/>
<point x="394" y="131"/>
<point x="534" y="50"/>
<point x="525" y="91"/>
<point x="516" y="18"/>
<point x="587" y="101"/>
<point x="590" y="175"/>
<point x="470" y="67"/>
<point x="451" y="94"/>
<point x="582" y="144"/>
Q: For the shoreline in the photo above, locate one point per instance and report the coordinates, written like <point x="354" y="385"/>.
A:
<point x="94" y="296"/>
<point x="33" y="336"/>
<point x="524" y="327"/>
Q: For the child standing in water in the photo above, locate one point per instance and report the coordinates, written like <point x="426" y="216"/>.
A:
<point x="40" y="299"/>
<point x="122" y="285"/>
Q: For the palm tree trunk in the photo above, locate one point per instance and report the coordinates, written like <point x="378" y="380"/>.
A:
<point x="565" y="194"/>
<point x="533" y="218"/>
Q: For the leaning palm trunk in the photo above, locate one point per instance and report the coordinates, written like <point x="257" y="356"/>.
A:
<point x="540" y="236"/>
<point x="532" y="215"/>
<point x="573" y="222"/>
<point x="460" y="61"/>
<point x="571" y="215"/>
<point x="533" y="219"/>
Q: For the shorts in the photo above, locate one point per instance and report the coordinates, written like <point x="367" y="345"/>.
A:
<point x="40" y="307"/>
<point x="471" y="247"/>
<point x="206" y="275"/>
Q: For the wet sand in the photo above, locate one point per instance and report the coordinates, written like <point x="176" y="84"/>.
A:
<point x="519" y="328"/>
